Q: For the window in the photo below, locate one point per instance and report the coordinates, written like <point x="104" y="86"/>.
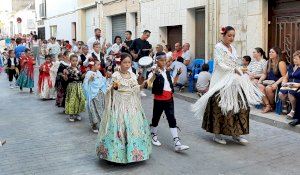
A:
<point x="53" y="31"/>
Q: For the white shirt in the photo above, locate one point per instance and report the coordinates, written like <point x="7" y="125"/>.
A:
<point x="116" y="48"/>
<point x="169" y="54"/>
<point x="186" y="55"/>
<point x="257" y="67"/>
<point x="175" y="66"/>
<point x="54" y="48"/>
<point x="167" y="86"/>
<point x="92" y="40"/>
<point x="203" y="80"/>
<point x="86" y="62"/>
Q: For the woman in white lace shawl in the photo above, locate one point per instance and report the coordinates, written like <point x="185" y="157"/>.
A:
<point x="225" y="107"/>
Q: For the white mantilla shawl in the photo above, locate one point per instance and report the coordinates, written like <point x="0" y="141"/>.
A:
<point x="229" y="85"/>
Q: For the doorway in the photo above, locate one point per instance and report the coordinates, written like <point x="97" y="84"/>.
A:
<point x="174" y="35"/>
<point x="200" y="33"/>
<point x="284" y="26"/>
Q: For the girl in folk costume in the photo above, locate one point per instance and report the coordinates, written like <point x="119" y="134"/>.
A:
<point x="26" y="78"/>
<point x="124" y="133"/>
<point x="45" y="83"/>
<point x="225" y="107"/>
<point x="53" y="74"/>
<point x="75" y="100"/>
<point x="60" y="83"/>
<point x="94" y="86"/>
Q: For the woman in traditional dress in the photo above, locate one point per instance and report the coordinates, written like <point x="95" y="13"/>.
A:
<point x="26" y="77"/>
<point x="75" y="100"/>
<point x="225" y="107"/>
<point x="45" y="83"/>
<point x="124" y="133"/>
<point x="94" y="86"/>
<point x="60" y="83"/>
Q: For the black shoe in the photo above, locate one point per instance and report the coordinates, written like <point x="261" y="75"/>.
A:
<point x="294" y="122"/>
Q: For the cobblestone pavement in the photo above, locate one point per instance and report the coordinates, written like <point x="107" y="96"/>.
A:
<point x="40" y="140"/>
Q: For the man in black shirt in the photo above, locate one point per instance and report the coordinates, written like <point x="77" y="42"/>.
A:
<point x="140" y="47"/>
<point x="127" y="43"/>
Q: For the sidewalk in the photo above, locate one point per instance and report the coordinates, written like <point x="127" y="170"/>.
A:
<point x="272" y="119"/>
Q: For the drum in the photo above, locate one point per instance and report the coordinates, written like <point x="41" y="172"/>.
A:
<point x="146" y="62"/>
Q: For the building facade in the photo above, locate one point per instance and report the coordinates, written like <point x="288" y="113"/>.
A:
<point x="117" y="16"/>
<point x="258" y="23"/>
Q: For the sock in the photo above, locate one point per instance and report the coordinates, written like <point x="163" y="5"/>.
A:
<point x="175" y="136"/>
<point x="154" y="131"/>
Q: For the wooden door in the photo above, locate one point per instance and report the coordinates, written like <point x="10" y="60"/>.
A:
<point x="174" y="35"/>
<point x="200" y="33"/>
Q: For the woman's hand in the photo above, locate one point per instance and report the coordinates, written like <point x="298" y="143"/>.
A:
<point x="274" y="86"/>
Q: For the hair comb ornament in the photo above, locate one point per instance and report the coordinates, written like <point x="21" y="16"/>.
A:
<point x="223" y="30"/>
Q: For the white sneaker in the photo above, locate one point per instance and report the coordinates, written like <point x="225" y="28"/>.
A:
<point x="71" y="118"/>
<point x="240" y="140"/>
<point x="178" y="146"/>
<point x="95" y="129"/>
<point x="155" y="140"/>
<point x="143" y="94"/>
<point x="219" y="140"/>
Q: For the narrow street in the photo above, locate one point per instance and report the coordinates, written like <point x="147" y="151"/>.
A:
<point x="40" y="140"/>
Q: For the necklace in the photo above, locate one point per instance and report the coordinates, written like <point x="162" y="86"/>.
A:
<point x="124" y="73"/>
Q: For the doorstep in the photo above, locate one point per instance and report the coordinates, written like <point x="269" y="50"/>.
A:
<point x="271" y="118"/>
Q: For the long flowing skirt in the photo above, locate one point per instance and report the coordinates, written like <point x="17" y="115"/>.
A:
<point x="44" y="91"/>
<point x="75" y="99"/>
<point x="124" y="133"/>
<point x="214" y="121"/>
<point x="96" y="108"/>
<point x="25" y="80"/>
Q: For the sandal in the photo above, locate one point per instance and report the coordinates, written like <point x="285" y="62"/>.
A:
<point x="267" y="109"/>
<point x="290" y="116"/>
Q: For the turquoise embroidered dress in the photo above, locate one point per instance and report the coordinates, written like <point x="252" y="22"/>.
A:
<point x="124" y="133"/>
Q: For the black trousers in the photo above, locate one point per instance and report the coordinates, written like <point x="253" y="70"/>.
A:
<point x="161" y="106"/>
<point x="11" y="74"/>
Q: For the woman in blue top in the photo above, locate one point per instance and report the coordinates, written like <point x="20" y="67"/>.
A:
<point x="292" y="77"/>
<point x="272" y="78"/>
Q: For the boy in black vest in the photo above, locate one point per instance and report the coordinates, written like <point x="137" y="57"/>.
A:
<point x="162" y="88"/>
<point x="12" y="68"/>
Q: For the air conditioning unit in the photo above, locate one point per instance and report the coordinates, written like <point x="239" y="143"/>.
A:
<point x="43" y="10"/>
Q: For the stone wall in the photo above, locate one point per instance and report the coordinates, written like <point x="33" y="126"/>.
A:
<point x="249" y="18"/>
<point x="157" y="14"/>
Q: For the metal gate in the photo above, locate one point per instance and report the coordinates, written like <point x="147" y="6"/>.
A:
<point x="118" y="26"/>
<point x="287" y="34"/>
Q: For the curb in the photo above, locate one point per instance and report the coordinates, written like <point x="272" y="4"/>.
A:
<point x="255" y="117"/>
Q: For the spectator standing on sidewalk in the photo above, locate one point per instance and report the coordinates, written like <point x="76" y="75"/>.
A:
<point x="97" y="38"/>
